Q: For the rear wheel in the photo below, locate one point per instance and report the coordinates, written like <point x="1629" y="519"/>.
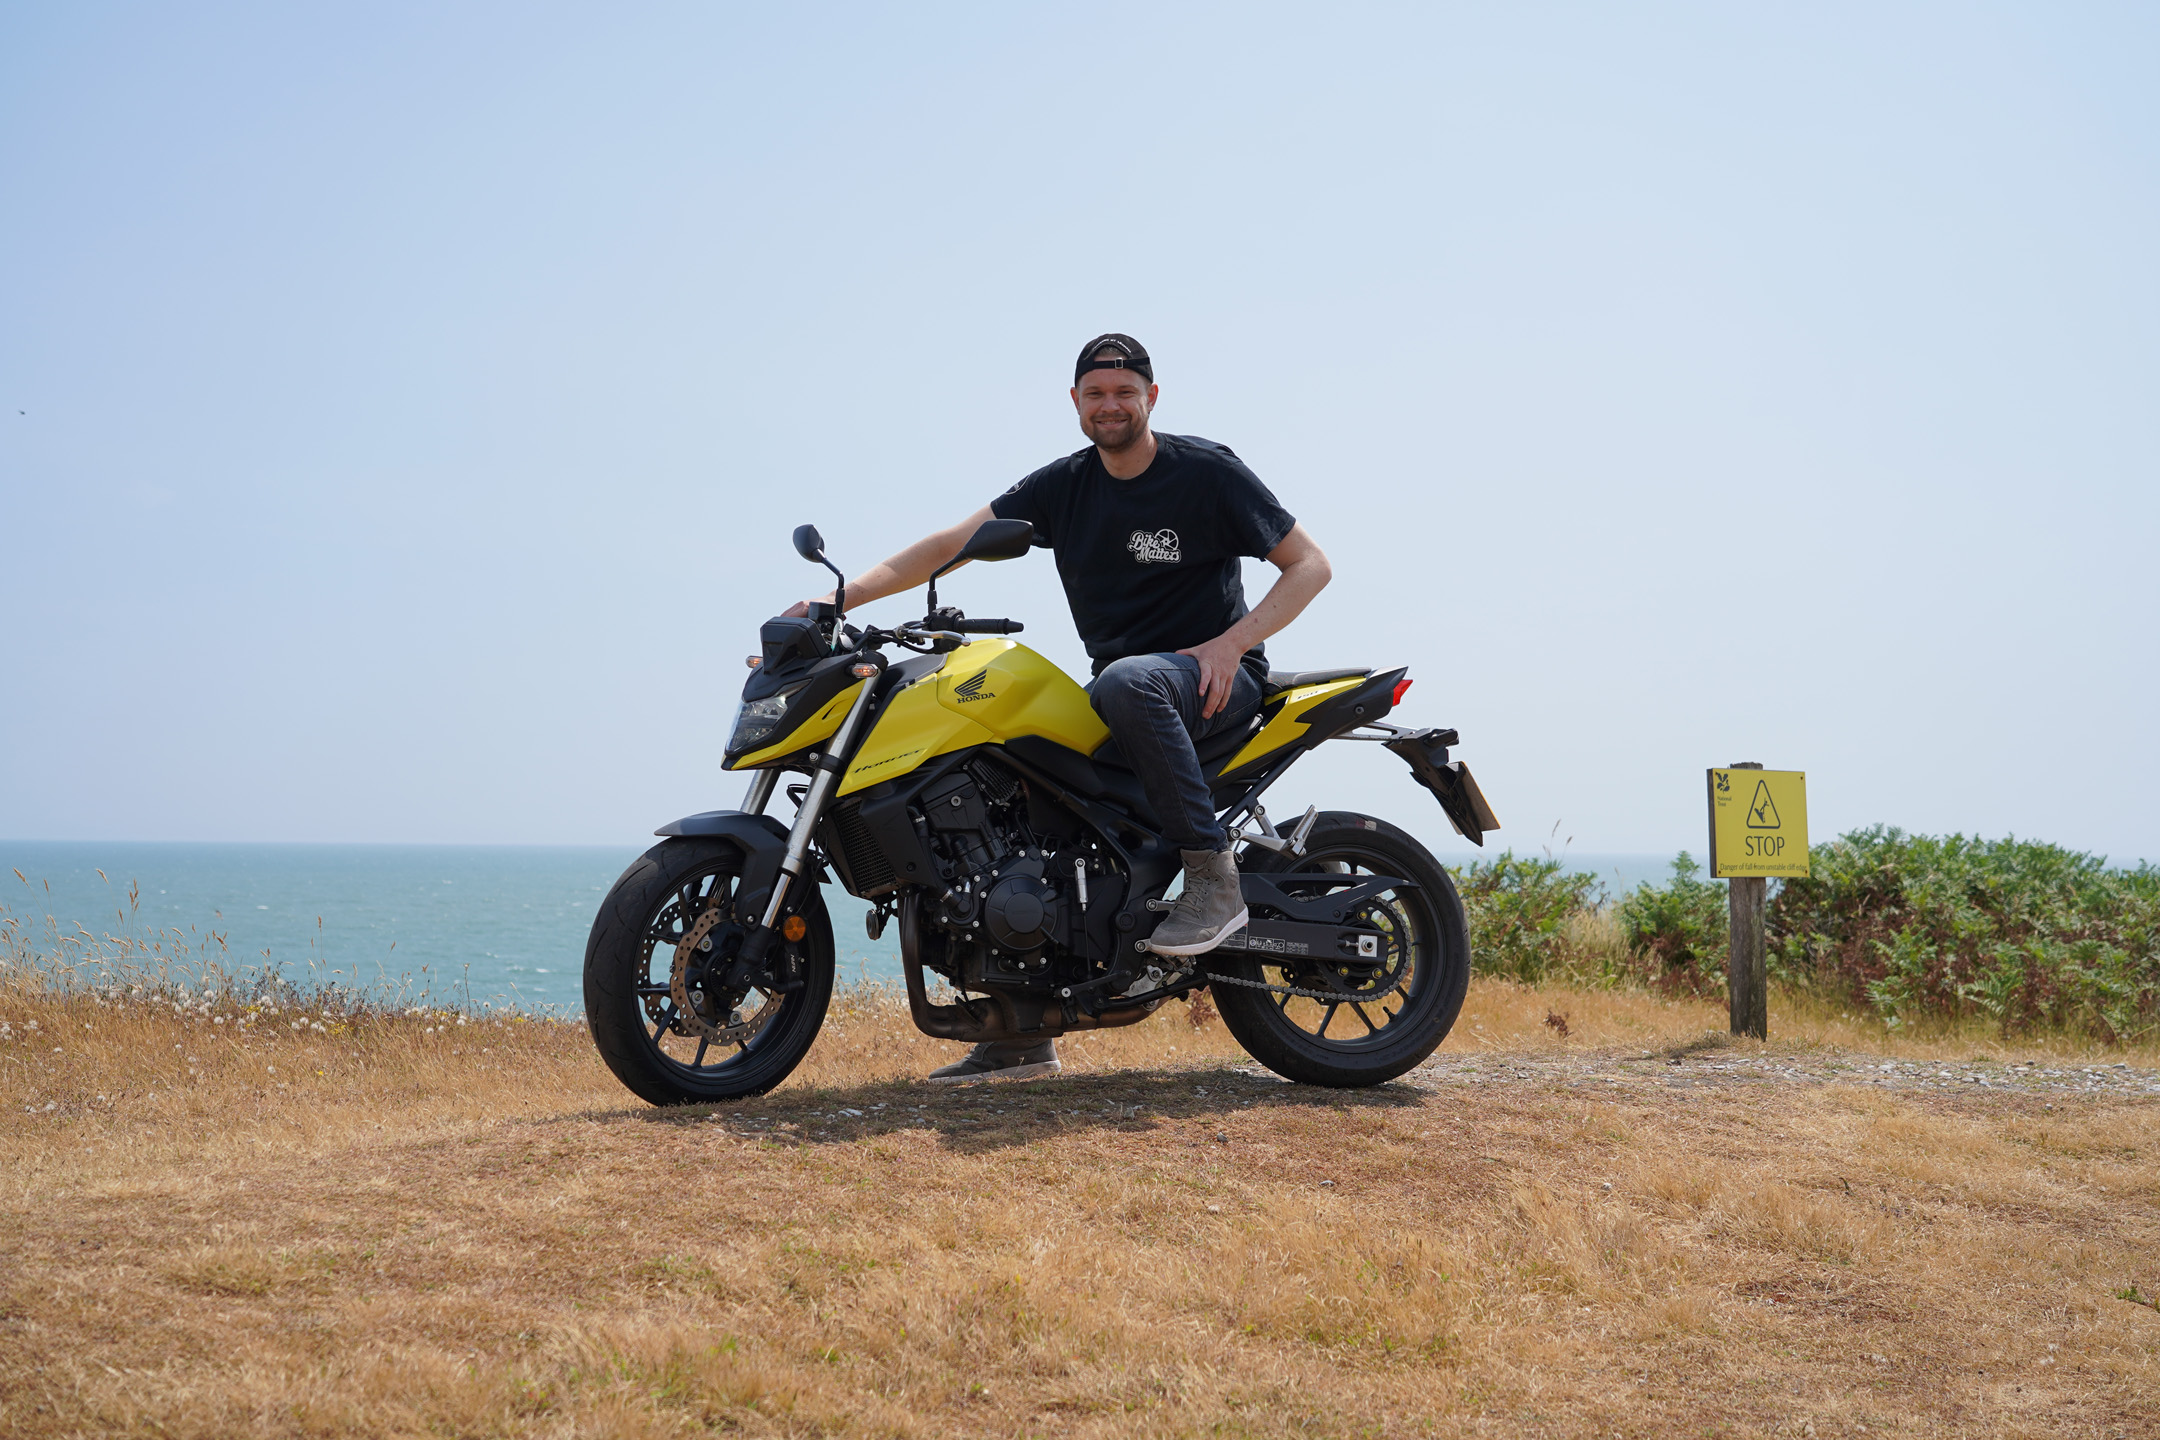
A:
<point x="1370" y="1022"/>
<point x="726" y="1044"/>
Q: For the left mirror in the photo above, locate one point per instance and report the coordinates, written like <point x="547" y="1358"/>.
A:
<point x="808" y="543"/>
<point x="997" y="540"/>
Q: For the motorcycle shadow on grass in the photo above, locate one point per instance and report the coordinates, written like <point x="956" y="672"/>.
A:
<point x="1000" y="1115"/>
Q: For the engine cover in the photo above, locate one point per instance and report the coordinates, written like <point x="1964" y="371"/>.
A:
<point x="1020" y="907"/>
<point x="1020" y="911"/>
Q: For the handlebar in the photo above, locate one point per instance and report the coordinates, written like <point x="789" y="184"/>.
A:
<point x="923" y="639"/>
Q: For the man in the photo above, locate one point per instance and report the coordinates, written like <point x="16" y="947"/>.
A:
<point x="1148" y="531"/>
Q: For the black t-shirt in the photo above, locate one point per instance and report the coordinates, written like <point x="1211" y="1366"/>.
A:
<point x="1150" y="564"/>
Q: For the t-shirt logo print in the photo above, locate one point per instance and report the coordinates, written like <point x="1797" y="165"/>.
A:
<point x="1160" y="546"/>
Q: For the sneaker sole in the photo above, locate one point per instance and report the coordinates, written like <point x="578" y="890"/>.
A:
<point x="1011" y="1072"/>
<point x="1204" y="946"/>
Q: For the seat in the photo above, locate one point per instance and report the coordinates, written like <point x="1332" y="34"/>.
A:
<point x="1281" y="680"/>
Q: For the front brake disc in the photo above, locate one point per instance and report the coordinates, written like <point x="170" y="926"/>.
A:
<point x="689" y="1018"/>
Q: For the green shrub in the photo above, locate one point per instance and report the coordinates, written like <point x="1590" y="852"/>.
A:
<point x="1679" y="934"/>
<point x="1521" y="912"/>
<point x="2032" y="935"/>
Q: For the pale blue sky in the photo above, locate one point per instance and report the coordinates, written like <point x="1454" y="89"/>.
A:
<point x="405" y="407"/>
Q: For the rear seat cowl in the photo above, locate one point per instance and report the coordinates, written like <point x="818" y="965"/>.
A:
<point x="1281" y="680"/>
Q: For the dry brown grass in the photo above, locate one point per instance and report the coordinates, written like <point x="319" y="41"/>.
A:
<point x="474" y="1231"/>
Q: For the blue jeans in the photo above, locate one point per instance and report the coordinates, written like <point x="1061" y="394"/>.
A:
<point x="1152" y="705"/>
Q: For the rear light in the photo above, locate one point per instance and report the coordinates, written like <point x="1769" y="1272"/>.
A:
<point x="1400" y="686"/>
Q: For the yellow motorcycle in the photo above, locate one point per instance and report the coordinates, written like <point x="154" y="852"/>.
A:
<point x="966" y="789"/>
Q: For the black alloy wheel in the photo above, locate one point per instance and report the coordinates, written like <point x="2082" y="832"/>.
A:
<point x="734" y="1043"/>
<point x="1380" y="1017"/>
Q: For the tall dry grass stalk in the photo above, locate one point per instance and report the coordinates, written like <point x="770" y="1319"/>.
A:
<point x="422" y="1224"/>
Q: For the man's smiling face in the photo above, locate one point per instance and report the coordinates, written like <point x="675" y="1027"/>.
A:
<point x="1114" y="407"/>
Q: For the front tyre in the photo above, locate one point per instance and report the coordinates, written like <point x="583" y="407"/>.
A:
<point x="669" y="1058"/>
<point x="1375" y="1022"/>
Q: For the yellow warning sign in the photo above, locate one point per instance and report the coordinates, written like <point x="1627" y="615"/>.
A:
<point x="1758" y="822"/>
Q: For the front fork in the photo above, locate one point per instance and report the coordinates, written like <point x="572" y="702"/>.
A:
<point x="750" y="960"/>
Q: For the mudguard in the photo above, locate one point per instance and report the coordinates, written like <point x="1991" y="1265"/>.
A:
<point x="761" y="839"/>
<point x="1449" y="781"/>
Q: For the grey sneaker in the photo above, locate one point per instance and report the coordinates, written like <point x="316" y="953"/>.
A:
<point x="1001" y="1060"/>
<point x="1211" y="909"/>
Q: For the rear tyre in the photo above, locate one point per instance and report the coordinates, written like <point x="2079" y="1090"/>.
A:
<point x="631" y="1009"/>
<point x="1386" y="1020"/>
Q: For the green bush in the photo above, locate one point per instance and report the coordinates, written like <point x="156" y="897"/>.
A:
<point x="1679" y="934"/>
<point x="1521" y="911"/>
<point x="2031" y="935"/>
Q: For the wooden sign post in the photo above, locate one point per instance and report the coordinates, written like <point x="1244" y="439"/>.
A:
<point x="1758" y="828"/>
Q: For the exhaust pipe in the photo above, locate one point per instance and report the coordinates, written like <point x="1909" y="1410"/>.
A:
<point x="990" y="1017"/>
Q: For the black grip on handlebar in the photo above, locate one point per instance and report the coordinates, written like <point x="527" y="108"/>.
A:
<point x="988" y="627"/>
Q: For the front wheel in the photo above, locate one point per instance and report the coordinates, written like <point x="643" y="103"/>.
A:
<point x="1357" y="1024"/>
<point x="724" y="1045"/>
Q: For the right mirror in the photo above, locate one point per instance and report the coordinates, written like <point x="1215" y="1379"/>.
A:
<point x="808" y="543"/>
<point x="998" y="540"/>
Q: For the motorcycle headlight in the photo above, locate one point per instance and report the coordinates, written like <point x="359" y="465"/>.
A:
<point x="757" y="719"/>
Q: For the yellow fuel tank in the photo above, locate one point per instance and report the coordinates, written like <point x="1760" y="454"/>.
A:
<point x="990" y="690"/>
<point x="1010" y="690"/>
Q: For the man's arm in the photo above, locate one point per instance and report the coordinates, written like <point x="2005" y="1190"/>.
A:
<point x="1305" y="572"/>
<point x="912" y="566"/>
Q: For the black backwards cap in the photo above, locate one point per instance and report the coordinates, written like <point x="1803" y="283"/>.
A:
<point x="1129" y="354"/>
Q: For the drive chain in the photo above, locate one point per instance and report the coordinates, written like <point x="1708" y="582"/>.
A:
<point x="1337" y="996"/>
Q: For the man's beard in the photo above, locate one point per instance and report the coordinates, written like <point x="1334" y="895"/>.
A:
<point x="1115" y="435"/>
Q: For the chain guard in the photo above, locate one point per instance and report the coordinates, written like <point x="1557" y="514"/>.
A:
<point x="1392" y="973"/>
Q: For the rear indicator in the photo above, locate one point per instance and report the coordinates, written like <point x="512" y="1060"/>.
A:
<point x="1400" y="686"/>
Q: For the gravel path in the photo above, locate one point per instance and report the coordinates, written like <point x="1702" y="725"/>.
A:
<point x="1707" y="1065"/>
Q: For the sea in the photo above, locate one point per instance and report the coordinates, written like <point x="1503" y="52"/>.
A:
<point x="475" y="926"/>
